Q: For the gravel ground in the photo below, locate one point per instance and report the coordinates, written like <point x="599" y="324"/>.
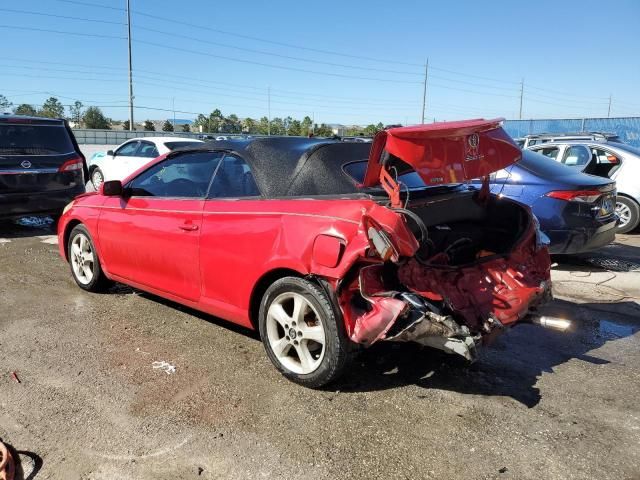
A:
<point x="90" y="405"/>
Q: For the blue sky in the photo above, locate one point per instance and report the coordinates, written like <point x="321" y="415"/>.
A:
<point x="342" y="62"/>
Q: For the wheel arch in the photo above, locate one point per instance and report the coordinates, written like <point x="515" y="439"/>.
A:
<point x="261" y="287"/>
<point x="67" y="233"/>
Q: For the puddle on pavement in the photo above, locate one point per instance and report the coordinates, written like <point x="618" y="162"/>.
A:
<point x="35" y="222"/>
<point x="616" y="329"/>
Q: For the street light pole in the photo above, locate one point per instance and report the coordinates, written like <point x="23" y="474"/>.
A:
<point x="131" y="128"/>
<point x="609" y="110"/>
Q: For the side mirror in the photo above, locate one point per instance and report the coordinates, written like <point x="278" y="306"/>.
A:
<point x="110" y="153"/>
<point x="112" y="188"/>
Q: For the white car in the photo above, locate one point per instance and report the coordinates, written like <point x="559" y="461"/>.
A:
<point x="131" y="155"/>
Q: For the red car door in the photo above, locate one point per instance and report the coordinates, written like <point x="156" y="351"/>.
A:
<point x="151" y="236"/>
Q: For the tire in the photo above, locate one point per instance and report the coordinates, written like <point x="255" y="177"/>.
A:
<point x="628" y="210"/>
<point x="87" y="274"/>
<point x="286" y="333"/>
<point x="97" y="178"/>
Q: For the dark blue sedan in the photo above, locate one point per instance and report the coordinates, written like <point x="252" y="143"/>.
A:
<point x="576" y="211"/>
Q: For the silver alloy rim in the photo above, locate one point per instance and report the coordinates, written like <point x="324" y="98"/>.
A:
<point x="97" y="179"/>
<point x="295" y="333"/>
<point x="82" y="258"/>
<point x="624" y="212"/>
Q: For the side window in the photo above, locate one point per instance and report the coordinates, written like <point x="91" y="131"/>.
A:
<point x="183" y="176"/>
<point x="577" y="156"/>
<point x="128" y="149"/>
<point x="147" y="150"/>
<point x="604" y="157"/>
<point x="551" y="152"/>
<point x="233" y="179"/>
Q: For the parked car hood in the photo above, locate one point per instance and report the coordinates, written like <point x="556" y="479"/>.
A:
<point x="441" y="153"/>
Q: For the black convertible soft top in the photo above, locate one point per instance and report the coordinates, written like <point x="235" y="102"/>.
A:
<point x="296" y="166"/>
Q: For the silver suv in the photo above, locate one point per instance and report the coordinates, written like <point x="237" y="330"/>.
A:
<point x="618" y="161"/>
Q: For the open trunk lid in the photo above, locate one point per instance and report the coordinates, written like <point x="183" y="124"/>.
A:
<point x="441" y="153"/>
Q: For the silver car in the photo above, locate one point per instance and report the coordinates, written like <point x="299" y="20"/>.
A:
<point x="618" y="161"/>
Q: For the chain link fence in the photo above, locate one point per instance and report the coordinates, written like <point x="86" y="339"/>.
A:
<point x="627" y="128"/>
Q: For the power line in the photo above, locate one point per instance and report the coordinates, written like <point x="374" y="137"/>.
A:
<point x="287" y="57"/>
<point x="66" y="17"/>
<point x="87" y="4"/>
<point x="281" y="67"/>
<point x="78" y="34"/>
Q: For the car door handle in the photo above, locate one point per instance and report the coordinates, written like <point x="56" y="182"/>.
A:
<point x="189" y="227"/>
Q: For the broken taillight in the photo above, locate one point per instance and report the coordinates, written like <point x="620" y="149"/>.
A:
<point x="584" y="196"/>
<point x="380" y="241"/>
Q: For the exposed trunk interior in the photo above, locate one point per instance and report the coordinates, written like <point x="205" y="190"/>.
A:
<point x="462" y="228"/>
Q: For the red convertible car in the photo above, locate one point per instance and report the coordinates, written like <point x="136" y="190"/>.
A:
<point x="324" y="246"/>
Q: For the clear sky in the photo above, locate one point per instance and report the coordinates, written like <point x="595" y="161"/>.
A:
<point x="351" y="62"/>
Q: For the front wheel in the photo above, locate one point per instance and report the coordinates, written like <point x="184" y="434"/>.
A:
<point x="301" y="333"/>
<point x="629" y="213"/>
<point x="84" y="262"/>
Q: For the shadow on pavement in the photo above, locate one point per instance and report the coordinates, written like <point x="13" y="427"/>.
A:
<point x="31" y="226"/>
<point x="27" y="464"/>
<point x="510" y="367"/>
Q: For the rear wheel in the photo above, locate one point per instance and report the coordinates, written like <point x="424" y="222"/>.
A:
<point x="84" y="262"/>
<point x="301" y="333"/>
<point x="97" y="178"/>
<point x="629" y="213"/>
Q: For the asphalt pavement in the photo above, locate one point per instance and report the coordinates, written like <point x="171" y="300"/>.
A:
<point x="127" y="385"/>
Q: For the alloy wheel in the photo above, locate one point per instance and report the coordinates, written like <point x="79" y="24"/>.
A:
<point x="624" y="212"/>
<point x="97" y="179"/>
<point x="295" y="333"/>
<point x="82" y="259"/>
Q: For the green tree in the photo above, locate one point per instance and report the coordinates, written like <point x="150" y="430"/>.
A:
<point x="52" y="108"/>
<point x="201" y="121"/>
<point x="249" y="125"/>
<point x="75" y="112"/>
<point x="234" y="123"/>
<point x="305" y="126"/>
<point x="277" y="126"/>
<point x="215" y="118"/>
<point x="93" y="118"/>
<point x="185" y="128"/>
<point x="25" y="109"/>
<point x="263" y="126"/>
<point x="149" y="126"/>
<point x="126" y="125"/>
<point x="295" y="128"/>
<point x="379" y="127"/>
<point x="5" y="104"/>
<point x="370" y="130"/>
<point x="167" y="126"/>
<point x="324" y="130"/>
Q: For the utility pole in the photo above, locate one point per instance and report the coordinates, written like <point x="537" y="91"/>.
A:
<point x="609" y="110"/>
<point x="424" y="90"/>
<point x="269" y="110"/>
<point x="521" y="95"/>
<point x="131" y="128"/>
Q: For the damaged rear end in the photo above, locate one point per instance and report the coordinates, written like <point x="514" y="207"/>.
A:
<point x="449" y="266"/>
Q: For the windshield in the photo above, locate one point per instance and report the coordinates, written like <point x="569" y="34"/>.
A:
<point x="34" y="139"/>
<point x="173" y="145"/>
<point x="357" y="170"/>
